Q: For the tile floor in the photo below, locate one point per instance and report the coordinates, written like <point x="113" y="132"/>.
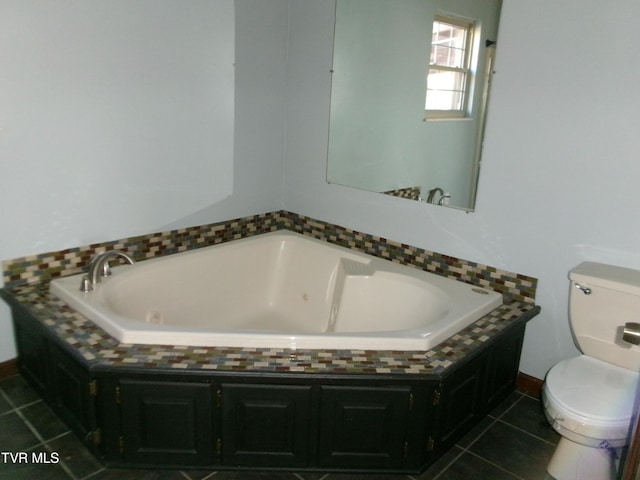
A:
<point x="513" y="442"/>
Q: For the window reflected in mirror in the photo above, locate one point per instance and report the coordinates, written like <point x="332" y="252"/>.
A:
<point x="408" y="103"/>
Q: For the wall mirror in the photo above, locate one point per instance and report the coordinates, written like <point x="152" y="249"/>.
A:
<point x="409" y="95"/>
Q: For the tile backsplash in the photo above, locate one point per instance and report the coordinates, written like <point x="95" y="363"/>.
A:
<point x="46" y="266"/>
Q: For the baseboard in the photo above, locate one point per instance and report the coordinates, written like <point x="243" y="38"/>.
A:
<point x="8" y="368"/>
<point x="530" y="385"/>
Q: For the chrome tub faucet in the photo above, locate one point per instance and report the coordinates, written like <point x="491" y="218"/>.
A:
<point x="99" y="267"/>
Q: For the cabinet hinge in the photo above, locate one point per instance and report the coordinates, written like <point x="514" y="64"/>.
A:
<point x="94" y="437"/>
<point x="121" y="444"/>
<point x="436" y="397"/>
<point x="430" y="444"/>
<point x="218" y="398"/>
<point x="218" y="446"/>
<point x="93" y="388"/>
<point x="410" y="402"/>
<point x="117" y="393"/>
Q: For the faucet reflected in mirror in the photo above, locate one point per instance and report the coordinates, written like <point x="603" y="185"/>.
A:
<point x="442" y="200"/>
<point x="382" y="138"/>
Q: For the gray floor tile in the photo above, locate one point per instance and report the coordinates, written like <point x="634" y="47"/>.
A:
<point x="4" y="405"/>
<point x="31" y="471"/>
<point x="470" y="466"/>
<point x="440" y="465"/>
<point x="254" y="476"/>
<point x="18" y="391"/>
<point x="474" y="434"/>
<point x="527" y="414"/>
<point x="506" y="404"/>
<point x="125" y="474"/>
<point x="366" y="476"/>
<point x="46" y="423"/>
<point x="80" y="461"/>
<point x="522" y="454"/>
<point x="15" y="436"/>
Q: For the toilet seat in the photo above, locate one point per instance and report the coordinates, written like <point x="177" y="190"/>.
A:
<point x="590" y="401"/>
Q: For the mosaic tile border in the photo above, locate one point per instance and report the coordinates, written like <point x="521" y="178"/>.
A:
<point x="512" y="286"/>
<point x="412" y="193"/>
<point x="99" y="349"/>
<point x="44" y="267"/>
<point x="47" y="266"/>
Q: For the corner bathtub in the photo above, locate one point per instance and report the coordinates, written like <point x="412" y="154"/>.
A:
<point x="278" y="290"/>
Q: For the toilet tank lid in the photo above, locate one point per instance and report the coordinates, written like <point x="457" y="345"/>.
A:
<point x="607" y="276"/>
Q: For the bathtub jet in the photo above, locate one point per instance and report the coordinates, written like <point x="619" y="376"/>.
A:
<point x="278" y="290"/>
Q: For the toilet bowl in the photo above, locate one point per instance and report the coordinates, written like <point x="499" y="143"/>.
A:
<point x="590" y="400"/>
<point x="590" y="404"/>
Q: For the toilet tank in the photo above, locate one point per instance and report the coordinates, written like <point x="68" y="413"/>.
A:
<point x="602" y="299"/>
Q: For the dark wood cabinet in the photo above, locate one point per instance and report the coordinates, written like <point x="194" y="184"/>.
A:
<point x="33" y="351"/>
<point x="62" y="380"/>
<point x="502" y="367"/>
<point x="471" y="390"/>
<point x="166" y="423"/>
<point x="364" y="427"/>
<point x="459" y="402"/>
<point x="266" y="425"/>
<point x="234" y="420"/>
<point x="73" y="394"/>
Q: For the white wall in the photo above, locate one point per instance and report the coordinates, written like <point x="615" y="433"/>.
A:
<point x="118" y="119"/>
<point x="560" y="174"/>
<point x="560" y="179"/>
<point x="112" y="123"/>
<point x="260" y="90"/>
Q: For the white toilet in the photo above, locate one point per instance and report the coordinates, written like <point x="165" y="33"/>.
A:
<point x="590" y="399"/>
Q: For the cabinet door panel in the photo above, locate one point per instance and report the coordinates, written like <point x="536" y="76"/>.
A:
<point x="461" y="403"/>
<point x="70" y="393"/>
<point x="266" y="425"/>
<point x="167" y="423"/>
<point x="363" y="427"/>
<point x="502" y="371"/>
<point x="33" y="351"/>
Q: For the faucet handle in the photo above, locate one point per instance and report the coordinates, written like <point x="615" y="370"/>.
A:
<point x="631" y="333"/>
<point x="85" y="286"/>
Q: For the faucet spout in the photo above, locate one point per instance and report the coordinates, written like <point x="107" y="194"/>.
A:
<point x="99" y="267"/>
<point x="432" y="194"/>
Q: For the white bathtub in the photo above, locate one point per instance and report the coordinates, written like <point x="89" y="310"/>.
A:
<point x="278" y="290"/>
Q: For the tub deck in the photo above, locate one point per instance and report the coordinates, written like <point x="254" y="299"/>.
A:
<point x="416" y="403"/>
<point x="98" y="348"/>
<point x="278" y="290"/>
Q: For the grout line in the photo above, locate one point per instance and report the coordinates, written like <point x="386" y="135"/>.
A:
<point x="553" y="444"/>
<point x="6" y="397"/>
<point x="532" y="397"/>
<point x="455" y="459"/>
<point x="475" y="440"/>
<point x="42" y="441"/>
<point x="496" y="465"/>
<point x="510" y="408"/>
<point x="92" y="474"/>
<point x="63" y="465"/>
<point x="26" y="421"/>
